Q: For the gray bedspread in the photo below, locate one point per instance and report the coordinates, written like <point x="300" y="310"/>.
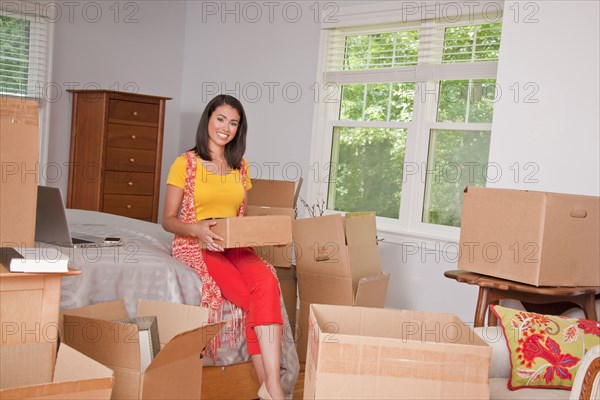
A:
<point x="143" y="269"/>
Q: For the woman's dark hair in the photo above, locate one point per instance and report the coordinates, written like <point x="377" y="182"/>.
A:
<point x="234" y="150"/>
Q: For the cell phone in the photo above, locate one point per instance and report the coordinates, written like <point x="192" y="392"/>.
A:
<point x="112" y="239"/>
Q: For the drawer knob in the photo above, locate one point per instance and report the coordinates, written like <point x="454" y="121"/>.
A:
<point x="128" y="206"/>
<point x="132" y="159"/>
<point x="130" y="183"/>
<point x="135" y="113"/>
<point x="133" y="136"/>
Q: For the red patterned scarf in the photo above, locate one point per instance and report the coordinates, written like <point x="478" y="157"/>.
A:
<point x="187" y="250"/>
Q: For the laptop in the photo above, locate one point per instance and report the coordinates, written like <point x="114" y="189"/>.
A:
<point x="51" y="224"/>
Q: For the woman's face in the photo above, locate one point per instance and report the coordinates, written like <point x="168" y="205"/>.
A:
<point x="223" y="125"/>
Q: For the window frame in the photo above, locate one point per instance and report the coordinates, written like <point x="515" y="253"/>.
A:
<point x="408" y="228"/>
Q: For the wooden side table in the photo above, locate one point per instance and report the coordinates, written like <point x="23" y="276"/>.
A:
<point x="548" y="300"/>
<point x="29" y="306"/>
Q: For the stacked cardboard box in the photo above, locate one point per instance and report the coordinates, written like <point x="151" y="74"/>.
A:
<point x="175" y="372"/>
<point x="31" y="364"/>
<point x="19" y="156"/>
<point x="338" y="263"/>
<point x="271" y="197"/>
<point x="289" y="291"/>
<point x="370" y="353"/>
<point x="538" y="238"/>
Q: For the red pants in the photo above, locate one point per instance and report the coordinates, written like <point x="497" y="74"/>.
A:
<point x="245" y="281"/>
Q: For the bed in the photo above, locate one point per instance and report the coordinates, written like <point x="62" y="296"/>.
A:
<point x="143" y="269"/>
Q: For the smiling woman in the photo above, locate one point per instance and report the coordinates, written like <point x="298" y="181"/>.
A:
<point x="211" y="181"/>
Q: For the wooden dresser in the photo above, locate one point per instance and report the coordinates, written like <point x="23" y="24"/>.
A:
<point x="116" y="153"/>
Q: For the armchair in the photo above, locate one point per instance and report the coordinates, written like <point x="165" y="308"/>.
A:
<point x="586" y="384"/>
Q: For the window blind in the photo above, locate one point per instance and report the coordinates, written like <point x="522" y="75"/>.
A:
<point x="421" y="51"/>
<point x="23" y="54"/>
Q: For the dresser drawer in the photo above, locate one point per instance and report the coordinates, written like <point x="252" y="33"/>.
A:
<point x="129" y="206"/>
<point x="123" y="182"/>
<point x="132" y="136"/>
<point x="133" y="111"/>
<point x="130" y="160"/>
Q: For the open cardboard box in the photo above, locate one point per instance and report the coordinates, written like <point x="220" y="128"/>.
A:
<point x="538" y="238"/>
<point x="175" y="372"/>
<point x="371" y="353"/>
<point x="28" y="371"/>
<point x="272" y="197"/>
<point x="338" y="262"/>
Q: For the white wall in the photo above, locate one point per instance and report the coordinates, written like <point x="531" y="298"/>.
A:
<point x="265" y="57"/>
<point x="114" y="46"/>
<point x="417" y="281"/>
<point x="550" y="144"/>
<point x="184" y="49"/>
<point x="550" y="53"/>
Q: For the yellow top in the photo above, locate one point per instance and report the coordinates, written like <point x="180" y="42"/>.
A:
<point x="215" y="196"/>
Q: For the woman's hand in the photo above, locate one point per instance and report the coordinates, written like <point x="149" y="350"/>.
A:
<point x="171" y="222"/>
<point x="203" y="232"/>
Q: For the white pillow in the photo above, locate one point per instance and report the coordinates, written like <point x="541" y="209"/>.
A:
<point x="500" y="363"/>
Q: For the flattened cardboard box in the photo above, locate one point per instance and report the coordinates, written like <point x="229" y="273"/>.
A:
<point x="371" y="353"/>
<point x="253" y="231"/>
<point x="19" y="154"/>
<point x="538" y="238"/>
<point x="27" y="371"/>
<point x="338" y="263"/>
<point x="175" y="372"/>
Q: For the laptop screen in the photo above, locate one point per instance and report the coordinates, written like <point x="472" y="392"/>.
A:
<point x="51" y="224"/>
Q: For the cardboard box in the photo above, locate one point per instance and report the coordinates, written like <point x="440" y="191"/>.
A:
<point x="338" y="263"/>
<point x="175" y="372"/>
<point x="277" y="256"/>
<point x="289" y="291"/>
<point x="19" y="155"/>
<point x="236" y="381"/>
<point x="253" y="231"/>
<point x="28" y="371"/>
<point x="271" y="197"/>
<point x="538" y="238"/>
<point x="147" y="328"/>
<point x="370" y="353"/>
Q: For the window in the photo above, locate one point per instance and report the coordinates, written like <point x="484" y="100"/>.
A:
<point x="410" y="123"/>
<point x="23" y="61"/>
<point x="25" y="37"/>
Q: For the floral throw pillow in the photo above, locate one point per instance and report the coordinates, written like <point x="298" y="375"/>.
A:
<point x="545" y="350"/>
